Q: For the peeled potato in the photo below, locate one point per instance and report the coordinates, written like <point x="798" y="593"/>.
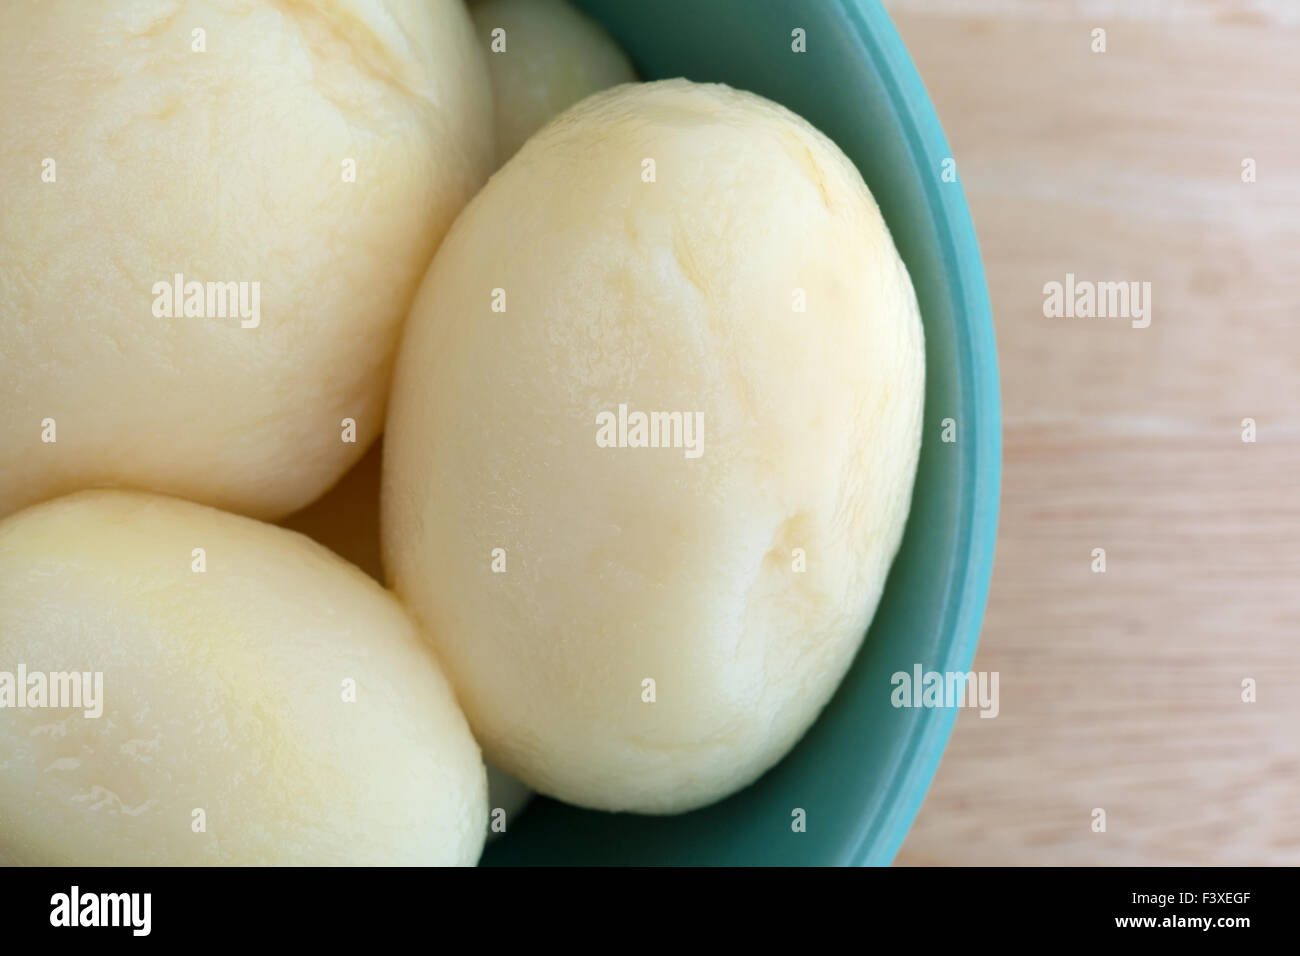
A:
<point x="647" y="628"/>
<point x="549" y="56"/>
<point x="295" y="164"/>
<point x="226" y="735"/>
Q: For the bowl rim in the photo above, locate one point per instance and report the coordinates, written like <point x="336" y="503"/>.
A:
<point x="979" y="459"/>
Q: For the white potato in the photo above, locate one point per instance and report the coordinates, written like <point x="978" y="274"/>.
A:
<point x="650" y="628"/>
<point x="215" y="140"/>
<point x="550" y="56"/>
<point x="224" y="691"/>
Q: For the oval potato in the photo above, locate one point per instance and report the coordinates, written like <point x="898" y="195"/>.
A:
<point x="215" y="216"/>
<point x="632" y="627"/>
<point x="261" y="700"/>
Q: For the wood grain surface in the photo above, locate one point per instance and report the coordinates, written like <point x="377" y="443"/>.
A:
<point x="1123" y="690"/>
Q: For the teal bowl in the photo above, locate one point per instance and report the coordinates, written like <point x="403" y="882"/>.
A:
<point x="862" y="770"/>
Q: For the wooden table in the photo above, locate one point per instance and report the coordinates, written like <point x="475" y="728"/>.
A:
<point x="1123" y="690"/>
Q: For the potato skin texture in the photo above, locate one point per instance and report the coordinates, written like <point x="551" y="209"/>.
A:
<point x="222" y="691"/>
<point x="222" y="166"/>
<point x="623" y="564"/>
